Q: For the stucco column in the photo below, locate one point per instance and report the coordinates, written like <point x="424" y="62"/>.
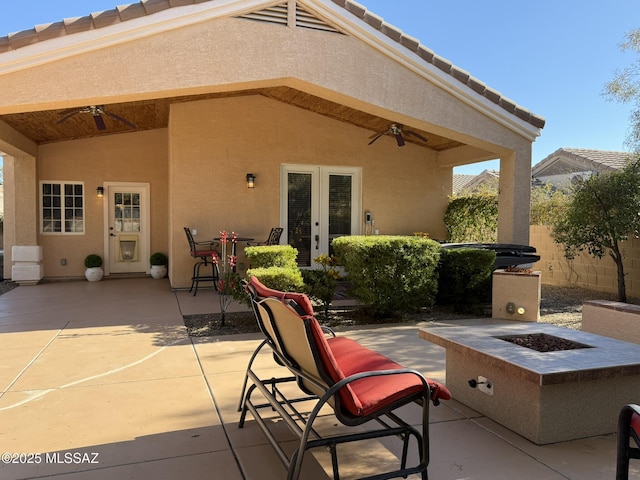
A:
<point x="514" y="198"/>
<point x="20" y="205"/>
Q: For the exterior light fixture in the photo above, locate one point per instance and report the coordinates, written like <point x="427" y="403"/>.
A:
<point x="100" y="192"/>
<point x="251" y="179"/>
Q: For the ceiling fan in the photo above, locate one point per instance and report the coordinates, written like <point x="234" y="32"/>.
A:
<point x="396" y="130"/>
<point x="96" y="111"/>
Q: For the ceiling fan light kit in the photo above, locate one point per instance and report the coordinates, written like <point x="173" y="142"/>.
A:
<point x="96" y="111"/>
<point x="396" y="130"/>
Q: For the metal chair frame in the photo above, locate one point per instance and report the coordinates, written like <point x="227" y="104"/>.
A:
<point x="626" y="434"/>
<point x="301" y="423"/>
<point x="205" y="251"/>
<point x="272" y="239"/>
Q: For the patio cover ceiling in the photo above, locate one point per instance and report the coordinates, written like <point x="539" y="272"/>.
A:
<point x="43" y="127"/>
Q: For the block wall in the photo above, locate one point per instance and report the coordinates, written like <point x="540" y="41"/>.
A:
<point x="585" y="271"/>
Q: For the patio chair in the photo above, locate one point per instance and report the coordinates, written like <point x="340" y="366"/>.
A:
<point x="628" y="439"/>
<point x="205" y="251"/>
<point x="360" y="385"/>
<point x="272" y="239"/>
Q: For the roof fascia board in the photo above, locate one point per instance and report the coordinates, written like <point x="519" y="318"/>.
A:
<point x="84" y="42"/>
<point x="411" y="60"/>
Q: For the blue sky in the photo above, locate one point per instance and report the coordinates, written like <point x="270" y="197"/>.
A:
<point x="553" y="57"/>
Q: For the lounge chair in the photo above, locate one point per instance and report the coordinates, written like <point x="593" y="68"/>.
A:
<point x="360" y="385"/>
<point x="628" y="436"/>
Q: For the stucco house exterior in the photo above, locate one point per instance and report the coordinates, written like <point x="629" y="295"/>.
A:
<point x="167" y="105"/>
<point x="568" y="165"/>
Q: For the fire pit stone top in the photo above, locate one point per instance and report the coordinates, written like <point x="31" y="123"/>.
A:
<point x="605" y="357"/>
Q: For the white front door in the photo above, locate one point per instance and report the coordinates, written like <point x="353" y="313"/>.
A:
<point x="127" y="235"/>
<point x="319" y="204"/>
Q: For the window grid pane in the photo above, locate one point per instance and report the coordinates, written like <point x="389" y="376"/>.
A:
<point x="62" y="200"/>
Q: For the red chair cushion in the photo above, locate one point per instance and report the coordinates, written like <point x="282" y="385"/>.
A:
<point x="300" y="298"/>
<point x="342" y="357"/>
<point x="635" y="424"/>
<point x="204" y="253"/>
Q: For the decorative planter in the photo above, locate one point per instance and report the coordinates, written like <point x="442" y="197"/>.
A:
<point x="94" y="274"/>
<point x="158" y="271"/>
<point x="516" y="295"/>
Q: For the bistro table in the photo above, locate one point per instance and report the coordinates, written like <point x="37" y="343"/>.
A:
<point x="234" y="244"/>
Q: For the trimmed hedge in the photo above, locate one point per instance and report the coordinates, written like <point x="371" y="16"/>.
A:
<point x="265" y="256"/>
<point x="279" y="278"/>
<point x="392" y="274"/>
<point x="465" y="276"/>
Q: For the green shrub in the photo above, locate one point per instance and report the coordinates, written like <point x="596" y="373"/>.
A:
<point x="473" y="218"/>
<point x="92" y="261"/>
<point x="279" y="278"/>
<point x="272" y="256"/>
<point x="465" y="277"/>
<point x="158" y="258"/>
<point x="391" y="274"/>
<point x="322" y="283"/>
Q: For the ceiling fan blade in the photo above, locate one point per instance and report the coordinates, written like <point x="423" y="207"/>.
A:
<point x="376" y="136"/>
<point x="399" y="139"/>
<point x="67" y="116"/>
<point x="417" y="135"/>
<point x="99" y="122"/>
<point x="120" y="119"/>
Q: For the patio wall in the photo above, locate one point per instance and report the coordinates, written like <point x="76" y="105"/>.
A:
<point x="214" y="143"/>
<point x="585" y="271"/>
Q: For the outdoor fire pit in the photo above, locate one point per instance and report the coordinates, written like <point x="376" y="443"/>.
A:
<point x="547" y="383"/>
<point x="542" y="342"/>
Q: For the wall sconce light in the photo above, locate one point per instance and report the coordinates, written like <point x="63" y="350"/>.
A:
<point x="251" y="179"/>
<point x="100" y="191"/>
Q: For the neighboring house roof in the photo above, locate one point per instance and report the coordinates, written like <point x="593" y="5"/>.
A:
<point x="569" y="160"/>
<point x="568" y="165"/>
<point x="125" y="13"/>
<point x="460" y="180"/>
<point x="487" y="178"/>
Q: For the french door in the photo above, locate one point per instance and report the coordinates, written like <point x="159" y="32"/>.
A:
<point x="319" y="204"/>
<point x="127" y="233"/>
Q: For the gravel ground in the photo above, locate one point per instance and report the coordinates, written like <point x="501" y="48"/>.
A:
<point x="560" y="306"/>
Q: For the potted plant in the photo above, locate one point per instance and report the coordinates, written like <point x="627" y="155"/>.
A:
<point x="158" y="263"/>
<point x="93" y="263"/>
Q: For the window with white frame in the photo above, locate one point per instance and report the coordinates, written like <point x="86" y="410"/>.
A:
<point x="62" y="207"/>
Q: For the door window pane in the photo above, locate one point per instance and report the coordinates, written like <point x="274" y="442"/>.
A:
<point x="340" y="198"/>
<point x="299" y="215"/>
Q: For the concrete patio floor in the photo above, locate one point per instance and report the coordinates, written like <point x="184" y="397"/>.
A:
<point x="101" y="381"/>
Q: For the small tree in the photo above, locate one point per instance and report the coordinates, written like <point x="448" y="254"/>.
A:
<point x="625" y="88"/>
<point x="603" y="212"/>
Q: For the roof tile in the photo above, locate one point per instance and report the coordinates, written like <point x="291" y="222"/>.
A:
<point x="476" y="85"/>
<point x="372" y="19"/>
<point x="460" y="74"/>
<point x="180" y="3"/>
<point x="507" y="104"/>
<point x="24" y="38"/>
<point x="155" y="6"/>
<point x="129" y="12"/>
<point x="106" y="18"/>
<point x="78" y="24"/>
<point x="391" y="31"/>
<point x="50" y="30"/>
<point x="355" y="8"/>
<point x="492" y="94"/>
<point x="410" y="42"/>
<point x="426" y="53"/>
<point x="442" y="63"/>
